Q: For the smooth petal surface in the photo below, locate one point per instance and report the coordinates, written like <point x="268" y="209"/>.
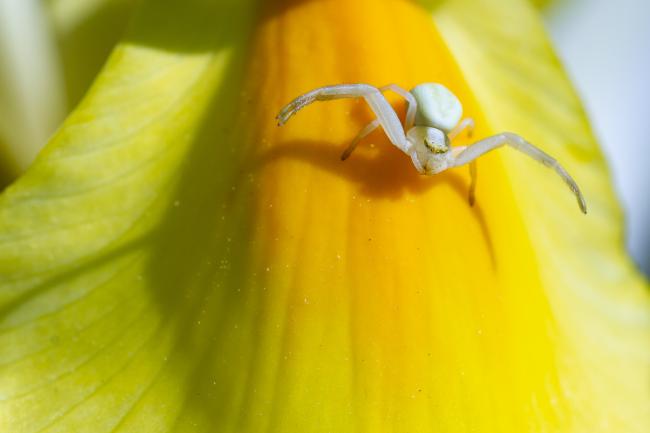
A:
<point x="598" y="299"/>
<point x="175" y="262"/>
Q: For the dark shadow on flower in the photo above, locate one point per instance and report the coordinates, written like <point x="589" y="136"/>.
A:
<point x="380" y="172"/>
<point x="200" y="25"/>
<point x="430" y="5"/>
<point x="280" y="6"/>
<point x="383" y="172"/>
<point x="200" y="269"/>
<point x="86" y="46"/>
<point x="195" y="26"/>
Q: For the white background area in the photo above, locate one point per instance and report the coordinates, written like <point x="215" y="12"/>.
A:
<point x="605" y="47"/>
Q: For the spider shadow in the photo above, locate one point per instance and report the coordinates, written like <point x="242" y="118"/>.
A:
<point x="382" y="173"/>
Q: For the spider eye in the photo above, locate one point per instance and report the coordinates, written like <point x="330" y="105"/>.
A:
<point x="436" y="147"/>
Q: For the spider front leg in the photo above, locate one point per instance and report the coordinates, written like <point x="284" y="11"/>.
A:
<point x="365" y="131"/>
<point x="386" y="115"/>
<point x="473" y="172"/>
<point x="479" y="148"/>
<point x="473" y="175"/>
<point x="412" y="105"/>
<point x="467" y="123"/>
<point x="408" y="124"/>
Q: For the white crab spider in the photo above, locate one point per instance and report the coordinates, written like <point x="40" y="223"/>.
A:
<point x="432" y="121"/>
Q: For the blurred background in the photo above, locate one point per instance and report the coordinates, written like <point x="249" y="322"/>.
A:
<point x="604" y="45"/>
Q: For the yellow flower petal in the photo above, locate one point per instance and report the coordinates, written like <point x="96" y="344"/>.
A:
<point x="406" y="304"/>
<point x="599" y="301"/>
<point x="176" y="262"/>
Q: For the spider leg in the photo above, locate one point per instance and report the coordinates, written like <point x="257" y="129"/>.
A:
<point x="412" y="103"/>
<point x="473" y="172"/>
<point x="385" y="113"/>
<point x="416" y="161"/>
<point x="515" y="141"/>
<point x="468" y="123"/>
<point x="410" y="118"/>
<point x="365" y="131"/>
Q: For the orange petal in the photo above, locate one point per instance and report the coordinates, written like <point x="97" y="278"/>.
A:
<point x="396" y="303"/>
